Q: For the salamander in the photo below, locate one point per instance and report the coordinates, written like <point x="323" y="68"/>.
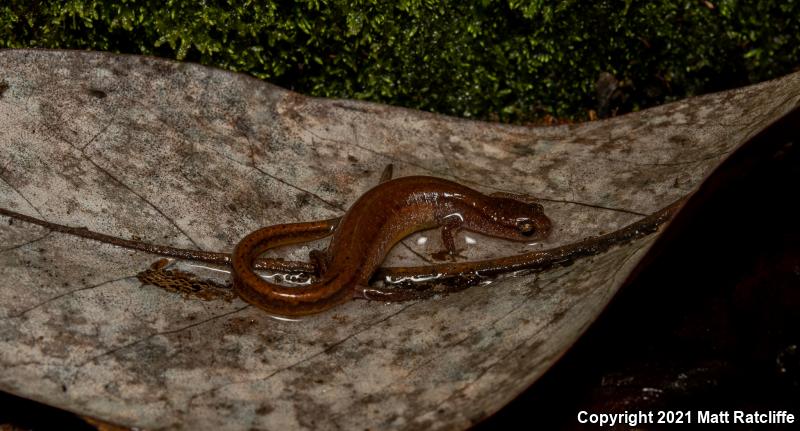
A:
<point x="361" y="239"/>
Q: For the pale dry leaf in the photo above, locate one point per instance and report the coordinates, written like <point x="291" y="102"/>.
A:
<point x="189" y="156"/>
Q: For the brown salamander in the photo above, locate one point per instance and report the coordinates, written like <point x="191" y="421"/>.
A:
<point x="534" y="260"/>
<point x="371" y="227"/>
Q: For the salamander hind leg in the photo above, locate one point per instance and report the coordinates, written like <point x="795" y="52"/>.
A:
<point x="320" y="261"/>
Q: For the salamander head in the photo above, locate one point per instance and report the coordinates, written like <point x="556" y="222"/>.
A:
<point x="516" y="220"/>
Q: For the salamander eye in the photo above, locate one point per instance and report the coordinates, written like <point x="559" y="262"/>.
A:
<point x="526" y="228"/>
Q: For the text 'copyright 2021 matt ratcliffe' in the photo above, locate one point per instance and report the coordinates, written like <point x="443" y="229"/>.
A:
<point x="633" y="419"/>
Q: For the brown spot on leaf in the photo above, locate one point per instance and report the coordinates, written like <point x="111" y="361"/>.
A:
<point x="264" y="409"/>
<point x="100" y="94"/>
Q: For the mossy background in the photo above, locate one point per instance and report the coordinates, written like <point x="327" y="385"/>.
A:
<point x="507" y="60"/>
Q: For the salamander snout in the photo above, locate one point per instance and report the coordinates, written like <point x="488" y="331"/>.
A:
<point x="518" y="220"/>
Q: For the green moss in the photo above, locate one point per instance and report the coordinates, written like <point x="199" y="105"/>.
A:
<point x="512" y="60"/>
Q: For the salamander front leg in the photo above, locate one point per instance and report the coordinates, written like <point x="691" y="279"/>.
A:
<point x="450" y="226"/>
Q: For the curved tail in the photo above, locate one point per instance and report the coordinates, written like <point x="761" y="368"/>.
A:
<point x="282" y="300"/>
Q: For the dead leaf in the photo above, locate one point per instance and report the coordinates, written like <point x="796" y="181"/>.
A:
<point x="188" y="156"/>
